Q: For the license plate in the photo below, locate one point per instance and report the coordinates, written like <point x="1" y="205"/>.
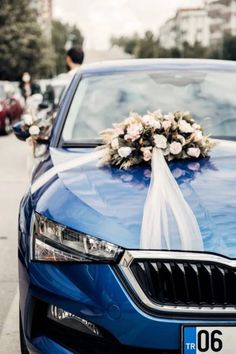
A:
<point x="209" y="340"/>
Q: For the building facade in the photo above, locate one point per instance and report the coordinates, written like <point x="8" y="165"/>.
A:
<point x="167" y="34"/>
<point x="222" y="19"/>
<point x="189" y="25"/>
<point x="206" y="25"/>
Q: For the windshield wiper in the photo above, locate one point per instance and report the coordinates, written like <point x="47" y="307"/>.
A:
<point x="84" y="144"/>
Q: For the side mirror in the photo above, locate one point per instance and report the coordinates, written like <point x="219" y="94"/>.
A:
<point x="22" y="135"/>
<point x="19" y="132"/>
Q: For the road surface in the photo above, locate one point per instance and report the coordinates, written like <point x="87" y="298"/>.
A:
<point x="13" y="183"/>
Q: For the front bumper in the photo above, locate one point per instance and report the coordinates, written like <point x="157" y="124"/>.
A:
<point x="95" y="293"/>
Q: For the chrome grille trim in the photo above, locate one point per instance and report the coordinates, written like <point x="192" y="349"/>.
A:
<point x="130" y="256"/>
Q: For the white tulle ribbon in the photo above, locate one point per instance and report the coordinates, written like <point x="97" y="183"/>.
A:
<point x="164" y="199"/>
<point x="74" y="163"/>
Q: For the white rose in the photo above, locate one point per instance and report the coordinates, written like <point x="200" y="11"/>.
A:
<point x="34" y="130"/>
<point x="115" y="143"/>
<point x="27" y="118"/>
<point x="197" y="135"/>
<point x="169" y="116"/>
<point x="151" y="121"/>
<point x="124" y="151"/>
<point x="194" y="152"/>
<point x="160" y="141"/>
<point x="185" y="127"/>
<point x="175" y="148"/>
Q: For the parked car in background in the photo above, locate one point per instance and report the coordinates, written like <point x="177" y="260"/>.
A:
<point x="86" y="285"/>
<point x="11" y="106"/>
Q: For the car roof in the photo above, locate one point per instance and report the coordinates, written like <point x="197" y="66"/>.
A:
<point x="155" y="64"/>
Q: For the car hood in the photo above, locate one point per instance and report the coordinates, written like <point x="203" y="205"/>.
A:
<point x="108" y="202"/>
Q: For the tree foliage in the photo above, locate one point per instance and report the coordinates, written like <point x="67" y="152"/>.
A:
<point x="22" y="44"/>
<point x="148" y="46"/>
<point x="62" y="35"/>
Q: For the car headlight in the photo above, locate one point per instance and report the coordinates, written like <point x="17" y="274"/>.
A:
<point x="52" y="242"/>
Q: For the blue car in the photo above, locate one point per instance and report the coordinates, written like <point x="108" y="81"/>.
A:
<point x="86" y="287"/>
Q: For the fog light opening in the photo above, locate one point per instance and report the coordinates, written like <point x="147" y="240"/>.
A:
<point x="72" y="321"/>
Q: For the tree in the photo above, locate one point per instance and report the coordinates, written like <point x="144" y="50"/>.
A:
<point x="62" y="34"/>
<point x="129" y="44"/>
<point x="22" y="45"/>
<point x="229" y="47"/>
<point x="141" y="47"/>
<point x="148" y="46"/>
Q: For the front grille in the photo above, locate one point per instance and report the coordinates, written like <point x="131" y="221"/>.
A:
<point x="181" y="281"/>
<point x="186" y="283"/>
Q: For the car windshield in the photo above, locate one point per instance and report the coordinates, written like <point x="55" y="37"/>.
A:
<point x="102" y="100"/>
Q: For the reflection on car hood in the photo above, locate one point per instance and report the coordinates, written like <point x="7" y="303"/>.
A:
<point x="108" y="202"/>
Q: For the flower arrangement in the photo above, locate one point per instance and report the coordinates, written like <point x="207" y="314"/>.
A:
<point x="38" y="128"/>
<point x="132" y="141"/>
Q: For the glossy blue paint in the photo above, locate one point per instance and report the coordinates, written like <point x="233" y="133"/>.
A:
<point x="108" y="203"/>
<point x="90" y="292"/>
<point x="47" y="346"/>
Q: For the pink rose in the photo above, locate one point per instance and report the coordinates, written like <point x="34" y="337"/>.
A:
<point x="118" y="131"/>
<point x="147" y="154"/>
<point x="194" y="152"/>
<point x="166" y="124"/>
<point x="175" y="148"/>
<point x="134" y="132"/>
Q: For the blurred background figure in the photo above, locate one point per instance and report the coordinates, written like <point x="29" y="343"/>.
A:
<point x="74" y="59"/>
<point x="31" y="92"/>
<point x="27" y="86"/>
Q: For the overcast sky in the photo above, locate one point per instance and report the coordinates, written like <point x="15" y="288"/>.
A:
<point x="100" y="19"/>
